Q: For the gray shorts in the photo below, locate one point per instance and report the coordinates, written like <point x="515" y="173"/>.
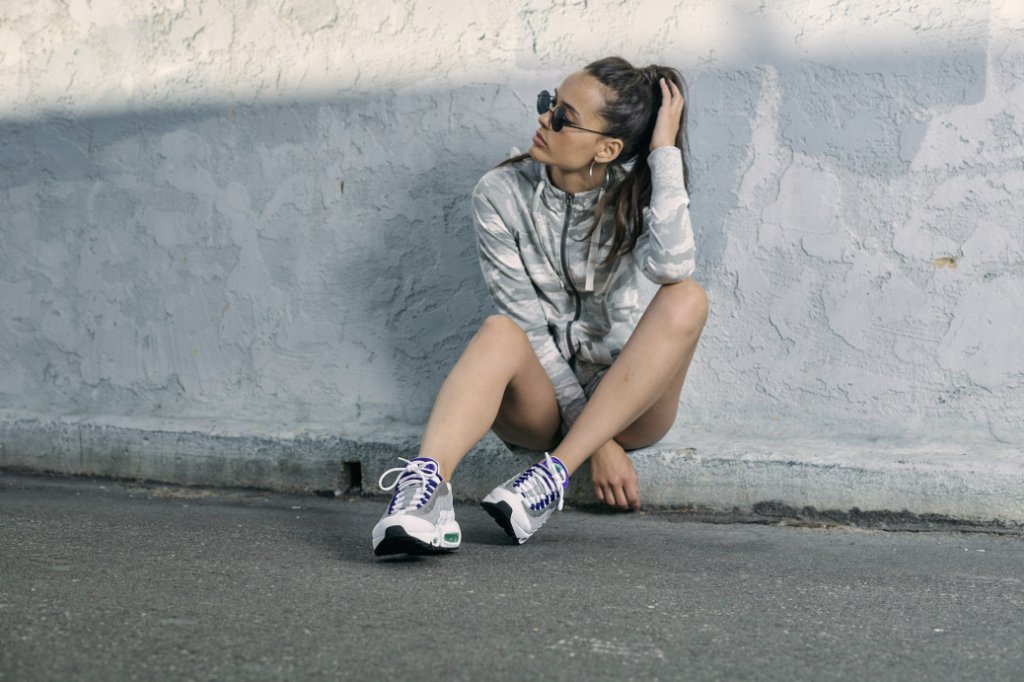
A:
<point x="590" y="376"/>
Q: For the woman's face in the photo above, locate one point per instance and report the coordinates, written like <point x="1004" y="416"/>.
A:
<point x="571" y="149"/>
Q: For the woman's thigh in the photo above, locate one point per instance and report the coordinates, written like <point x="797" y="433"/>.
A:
<point x="528" y="415"/>
<point x="652" y="425"/>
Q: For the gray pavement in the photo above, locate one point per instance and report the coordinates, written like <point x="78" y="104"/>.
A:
<point x="114" y="581"/>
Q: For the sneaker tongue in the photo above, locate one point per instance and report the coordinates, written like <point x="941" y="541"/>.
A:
<point x="435" y="469"/>
<point x="539" y="483"/>
<point x="413" y="491"/>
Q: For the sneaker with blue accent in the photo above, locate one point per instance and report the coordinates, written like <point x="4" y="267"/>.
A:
<point x="522" y="504"/>
<point x="420" y="518"/>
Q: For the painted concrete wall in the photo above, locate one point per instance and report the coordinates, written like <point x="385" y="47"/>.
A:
<point x="259" y="211"/>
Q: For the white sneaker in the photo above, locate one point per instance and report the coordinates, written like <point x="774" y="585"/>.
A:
<point x="522" y="504"/>
<point x="420" y="518"/>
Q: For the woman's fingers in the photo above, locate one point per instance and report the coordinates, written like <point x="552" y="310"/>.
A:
<point x="605" y="493"/>
<point x="620" y="497"/>
<point x="623" y="496"/>
<point x="679" y="95"/>
<point x="666" y="127"/>
<point x="672" y="94"/>
<point x="633" y="497"/>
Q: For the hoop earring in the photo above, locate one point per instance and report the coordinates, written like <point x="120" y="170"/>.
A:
<point x="592" y="168"/>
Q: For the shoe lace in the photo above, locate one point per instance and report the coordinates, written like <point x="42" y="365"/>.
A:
<point x="541" y="484"/>
<point x="413" y="486"/>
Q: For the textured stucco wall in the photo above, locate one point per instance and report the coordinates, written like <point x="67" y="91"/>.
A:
<point x="258" y="211"/>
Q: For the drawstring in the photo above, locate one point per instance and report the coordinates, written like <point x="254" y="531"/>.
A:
<point x="538" y="216"/>
<point x="595" y="241"/>
<point x="595" y="238"/>
<point x="535" y="204"/>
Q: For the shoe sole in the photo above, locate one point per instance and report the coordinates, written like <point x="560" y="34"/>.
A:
<point x="397" y="541"/>
<point x="502" y="513"/>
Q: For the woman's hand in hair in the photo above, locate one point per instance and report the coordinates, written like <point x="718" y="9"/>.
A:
<point x="614" y="477"/>
<point x="669" y="115"/>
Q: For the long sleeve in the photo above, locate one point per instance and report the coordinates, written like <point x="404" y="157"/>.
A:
<point x="514" y="296"/>
<point x="665" y="249"/>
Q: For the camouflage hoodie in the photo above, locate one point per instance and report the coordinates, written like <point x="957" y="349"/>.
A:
<point x="543" y="272"/>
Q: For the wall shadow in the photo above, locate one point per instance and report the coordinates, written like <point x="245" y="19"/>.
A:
<point x="314" y="261"/>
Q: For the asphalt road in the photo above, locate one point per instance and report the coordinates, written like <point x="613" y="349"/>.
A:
<point x="113" y="581"/>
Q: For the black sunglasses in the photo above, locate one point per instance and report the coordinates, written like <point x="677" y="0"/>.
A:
<point x="544" y="102"/>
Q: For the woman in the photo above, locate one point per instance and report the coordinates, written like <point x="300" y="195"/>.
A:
<point x="563" y="233"/>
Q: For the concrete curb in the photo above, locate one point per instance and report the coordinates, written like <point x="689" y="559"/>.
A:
<point x="859" y="483"/>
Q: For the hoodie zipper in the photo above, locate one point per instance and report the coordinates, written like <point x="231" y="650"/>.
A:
<point x="572" y="287"/>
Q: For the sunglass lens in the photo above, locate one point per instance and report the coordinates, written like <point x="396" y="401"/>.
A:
<point x="558" y="119"/>
<point x="543" y="102"/>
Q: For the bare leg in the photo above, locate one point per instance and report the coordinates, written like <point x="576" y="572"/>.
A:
<point x="497" y="382"/>
<point x="655" y="356"/>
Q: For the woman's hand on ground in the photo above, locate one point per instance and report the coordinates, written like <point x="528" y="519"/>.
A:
<point x="614" y="478"/>
<point x="669" y="115"/>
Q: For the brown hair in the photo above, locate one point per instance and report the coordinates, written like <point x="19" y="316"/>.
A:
<point x="631" y="113"/>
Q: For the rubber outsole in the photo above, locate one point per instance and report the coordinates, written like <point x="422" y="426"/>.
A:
<point x="397" y="541"/>
<point x="502" y="513"/>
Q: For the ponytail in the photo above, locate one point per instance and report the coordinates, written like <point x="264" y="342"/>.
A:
<point x="631" y="115"/>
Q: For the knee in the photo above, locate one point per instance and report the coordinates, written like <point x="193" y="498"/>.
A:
<point x="502" y="330"/>
<point x="689" y="308"/>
